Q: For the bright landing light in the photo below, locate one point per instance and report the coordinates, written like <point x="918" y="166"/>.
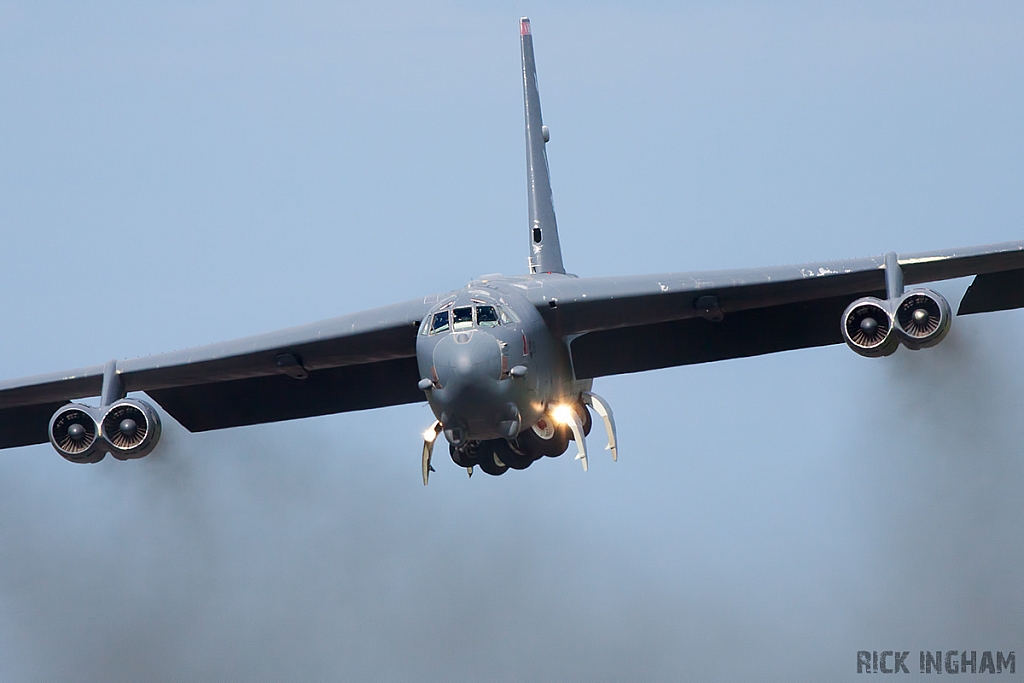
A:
<point x="563" y="414"/>
<point x="429" y="435"/>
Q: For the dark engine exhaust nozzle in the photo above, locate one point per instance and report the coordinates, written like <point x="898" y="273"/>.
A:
<point x="131" y="429"/>
<point x="867" y="327"/>
<point x="75" y="434"/>
<point x="922" y="318"/>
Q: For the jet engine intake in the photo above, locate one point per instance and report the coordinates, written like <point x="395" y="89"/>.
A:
<point x="126" y="429"/>
<point x="922" y="318"/>
<point x="867" y="327"/>
<point x="131" y="428"/>
<point x="75" y="434"/>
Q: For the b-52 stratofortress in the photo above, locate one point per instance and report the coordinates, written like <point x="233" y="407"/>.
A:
<point x="507" y="364"/>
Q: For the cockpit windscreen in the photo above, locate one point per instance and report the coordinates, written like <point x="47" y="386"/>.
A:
<point x="486" y="316"/>
<point x="462" y="318"/>
<point x="439" y="323"/>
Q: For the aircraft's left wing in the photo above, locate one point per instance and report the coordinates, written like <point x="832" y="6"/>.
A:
<point x="630" y="324"/>
<point x="353" y="362"/>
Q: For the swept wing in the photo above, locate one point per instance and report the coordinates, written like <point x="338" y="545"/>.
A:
<point x="353" y="362"/>
<point x="629" y="324"/>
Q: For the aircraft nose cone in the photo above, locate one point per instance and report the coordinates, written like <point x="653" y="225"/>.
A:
<point x="468" y="358"/>
<point x="468" y="366"/>
<point x="463" y="363"/>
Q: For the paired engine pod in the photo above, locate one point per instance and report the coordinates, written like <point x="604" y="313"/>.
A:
<point x="922" y="318"/>
<point x="867" y="327"/>
<point x="126" y="429"/>
<point x="75" y="434"/>
<point x="131" y="429"/>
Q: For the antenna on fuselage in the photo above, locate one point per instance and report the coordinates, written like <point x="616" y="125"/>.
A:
<point x="545" y="251"/>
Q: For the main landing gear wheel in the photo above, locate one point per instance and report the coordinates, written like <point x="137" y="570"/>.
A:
<point x="507" y="453"/>
<point x="464" y="456"/>
<point x="544" y="438"/>
<point x="490" y="461"/>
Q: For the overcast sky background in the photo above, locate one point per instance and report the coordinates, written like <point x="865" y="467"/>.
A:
<point x="175" y="174"/>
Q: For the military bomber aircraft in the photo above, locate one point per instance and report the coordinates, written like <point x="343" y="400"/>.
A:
<point x="507" y="364"/>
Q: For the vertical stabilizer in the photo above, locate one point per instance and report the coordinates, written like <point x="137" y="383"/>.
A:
<point x="545" y="252"/>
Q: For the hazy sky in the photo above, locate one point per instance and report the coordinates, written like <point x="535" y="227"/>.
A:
<point x="175" y="174"/>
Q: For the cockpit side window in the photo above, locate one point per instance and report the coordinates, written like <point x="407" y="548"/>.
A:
<point x="462" y="318"/>
<point x="507" y="316"/>
<point x="486" y="316"/>
<point x="439" y="323"/>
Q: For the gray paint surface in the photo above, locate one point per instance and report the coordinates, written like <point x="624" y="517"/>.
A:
<point x="545" y="249"/>
<point x="310" y="549"/>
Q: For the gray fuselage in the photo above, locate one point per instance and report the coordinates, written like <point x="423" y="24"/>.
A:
<point x="493" y="374"/>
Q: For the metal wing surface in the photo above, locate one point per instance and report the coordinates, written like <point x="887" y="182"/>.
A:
<point x="353" y="362"/>
<point x="630" y="324"/>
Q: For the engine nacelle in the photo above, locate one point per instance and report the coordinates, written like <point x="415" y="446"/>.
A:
<point x="922" y="318"/>
<point x="131" y="429"/>
<point x="75" y="433"/>
<point x="126" y="429"/>
<point x="867" y="327"/>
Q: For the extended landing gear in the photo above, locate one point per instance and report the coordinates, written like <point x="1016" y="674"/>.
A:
<point x="504" y="452"/>
<point x="544" y="438"/>
<point x="550" y="437"/>
<point x="463" y="456"/>
<point x="493" y="457"/>
<point x="489" y="460"/>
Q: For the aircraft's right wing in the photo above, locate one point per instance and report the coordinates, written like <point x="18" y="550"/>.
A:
<point x="630" y="324"/>
<point x="353" y="362"/>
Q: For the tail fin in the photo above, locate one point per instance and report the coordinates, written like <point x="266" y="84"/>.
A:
<point x="545" y="251"/>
